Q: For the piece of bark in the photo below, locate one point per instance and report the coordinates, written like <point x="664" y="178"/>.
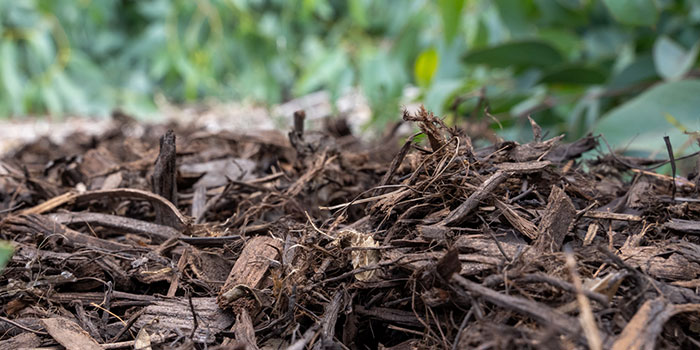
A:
<point x="164" y="174"/>
<point x="45" y="227"/>
<point x="330" y="317"/>
<point x="527" y="228"/>
<point x="646" y="325"/>
<point x="69" y="334"/>
<point x="540" y="312"/>
<point x="112" y="181"/>
<point x="461" y="213"/>
<point x="665" y="262"/>
<point x="97" y="298"/>
<point x="218" y="172"/>
<point x="539" y="277"/>
<point x="398" y="159"/>
<point x="685" y="226"/>
<point x="85" y="321"/>
<point x="160" y="232"/>
<point x="562" y="153"/>
<point x="176" y="315"/>
<point x="250" y="269"/>
<point x="25" y="340"/>
<point x="175" y="218"/>
<point x="389" y="315"/>
<point x="244" y="331"/>
<point x="199" y="202"/>
<point x="559" y="214"/>
<point x="534" y="150"/>
<point x="505" y="170"/>
<point x="164" y="171"/>
<point x="19" y="325"/>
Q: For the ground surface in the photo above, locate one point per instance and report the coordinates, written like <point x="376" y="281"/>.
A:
<point x="141" y="237"/>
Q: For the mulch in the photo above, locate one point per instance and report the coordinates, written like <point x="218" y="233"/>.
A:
<point x="172" y="237"/>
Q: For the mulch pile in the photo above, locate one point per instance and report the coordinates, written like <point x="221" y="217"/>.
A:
<point x="147" y="238"/>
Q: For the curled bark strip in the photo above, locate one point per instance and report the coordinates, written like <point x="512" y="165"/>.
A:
<point x="175" y="219"/>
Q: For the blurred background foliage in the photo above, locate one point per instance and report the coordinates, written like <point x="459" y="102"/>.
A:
<point x="626" y="68"/>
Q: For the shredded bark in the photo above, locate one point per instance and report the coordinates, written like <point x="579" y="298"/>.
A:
<point x="317" y="239"/>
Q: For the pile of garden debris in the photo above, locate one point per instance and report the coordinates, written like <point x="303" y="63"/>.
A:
<point x="151" y="238"/>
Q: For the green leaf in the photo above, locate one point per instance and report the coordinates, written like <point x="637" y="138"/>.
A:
<point x="6" y="251"/>
<point x="358" y="12"/>
<point x="640" y="70"/>
<point x="324" y="71"/>
<point x="564" y="40"/>
<point x="575" y="75"/>
<point x="9" y="73"/>
<point x="673" y="61"/>
<point x="519" y="54"/>
<point x="451" y="12"/>
<point x="426" y="66"/>
<point x="634" y="12"/>
<point x="517" y="16"/>
<point x="641" y="124"/>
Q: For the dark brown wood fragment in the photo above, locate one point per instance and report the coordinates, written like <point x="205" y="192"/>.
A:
<point x="460" y="214"/>
<point x="686" y="226"/>
<point x="524" y="226"/>
<point x="328" y="322"/>
<point x="250" y="269"/>
<point x="506" y="170"/>
<point x="176" y="219"/>
<point x="540" y="312"/>
<point x="244" y="331"/>
<point x="160" y="232"/>
<point x="44" y="226"/>
<point x="641" y="331"/>
<point x="398" y="159"/>
<point x="164" y="171"/>
<point x="390" y="315"/>
<point x="554" y="226"/>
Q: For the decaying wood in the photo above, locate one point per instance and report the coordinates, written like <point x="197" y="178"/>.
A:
<point x="646" y="325"/>
<point x="525" y="227"/>
<point x="159" y="232"/>
<point x="21" y="341"/>
<point x="250" y="269"/>
<point x="164" y="171"/>
<point x="542" y="313"/>
<point x="69" y="334"/>
<point x="555" y="222"/>
<point x="244" y="331"/>
<point x="177" y="316"/>
<point x="684" y="226"/>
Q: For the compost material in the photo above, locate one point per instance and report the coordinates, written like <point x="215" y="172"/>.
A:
<point x="170" y="237"/>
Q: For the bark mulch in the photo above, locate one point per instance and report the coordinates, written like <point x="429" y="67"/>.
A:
<point x="151" y="238"/>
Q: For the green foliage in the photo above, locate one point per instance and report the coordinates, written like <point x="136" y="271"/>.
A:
<point x="578" y="65"/>
<point x="574" y="65"/>
<point x="87" y="57"/>
<point x="642" y="122"/>
<point x="672" y="60"/>
<point x="634" y="12"/>
<point x="6" y="251"/>
<point x="516" y="54"/>
<point x="426" y="65"/>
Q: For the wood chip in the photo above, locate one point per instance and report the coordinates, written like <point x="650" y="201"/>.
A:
<point x="69" y="334"/>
